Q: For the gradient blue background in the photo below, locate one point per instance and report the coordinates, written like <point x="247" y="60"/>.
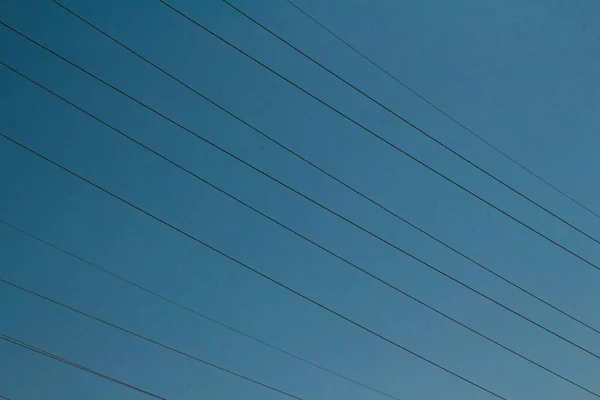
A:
<point x="524" y="74"/>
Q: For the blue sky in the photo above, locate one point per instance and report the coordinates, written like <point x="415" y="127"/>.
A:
<point x="522" y="74"/>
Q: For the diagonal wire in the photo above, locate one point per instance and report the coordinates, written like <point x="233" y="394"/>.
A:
<point x="193" y="311"/>
<point x="412" y="125"/>
<point x="367" y="273"/>
<point x="364" y="196"/>
<point x="440" y="110"/>
<point x="147" y="339"/>
<point x="381" y="138"/>
<point x="321" y="206"/>
<point x="76" y="365"/>
<point x="249" y="268"/>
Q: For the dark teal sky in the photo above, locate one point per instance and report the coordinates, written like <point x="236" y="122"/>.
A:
<point x="523" y="74"/>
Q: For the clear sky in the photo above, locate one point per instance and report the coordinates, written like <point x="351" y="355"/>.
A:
<point x="523" y="74"/>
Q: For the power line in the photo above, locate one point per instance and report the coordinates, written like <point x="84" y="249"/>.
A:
<point x="538" y="365"/>
<point x="76" y="365"/>
<point x="412" y="125"/>
<point x="371" y="132"/>
<point x="440" y="110"/>
<point x="431" y="308"/>
<point x="193" y="311"/>
<point x="319" y="246"/>
<point x="147" y="339"/>
<point x="304" y="196"/>
<point x="364" y="196"/>
<point x="251" y="269"/>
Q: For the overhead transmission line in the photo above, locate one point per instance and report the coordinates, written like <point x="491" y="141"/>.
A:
<point x="308" y="198"/>
<point x="412" y="125"/>
<point x="343" y="376"/>
<point x="389" y="285"/>
<point x="441" y="111"/>
<point x="45" y="353"/>
<point x="364" y="196"/>
<point x="148" y="339"/>
<point x="298" y="192"/>
<point x="301" y="158"/>
<point x="321" y="247"/>
<point x="252" y="269"/>
<point x="194" y="312"/>
<point x="379" y="137"/>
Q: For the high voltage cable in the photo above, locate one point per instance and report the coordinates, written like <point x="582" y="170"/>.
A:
<point x="440" y="110"/>
<point x="55" y="357"/>
<point x="314" y="202"/>
<point x="147" y="339"/>
<point x="193" y="311"/>
<point x="337" y="256"/>
<point x="251" y="269"/>
<point x="374" y="134"/>
<point x="364" y="196"/>
<point x="412" y="125"/>
<point x="363" y="328"/>
<point x="321" y="247"/>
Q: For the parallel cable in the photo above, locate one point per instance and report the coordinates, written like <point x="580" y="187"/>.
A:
<point x="433" y="268"/>
<point x="301" y="158"/>
<point x="147" y="339"/>
<point x="337" y="256"/>
<point x="412" y="125"/>
<point x="440" y="110"/>
<point x="251" y="269"/>
<point x="381" y="138"/>
<point x="307" y="239"/>
<point x="24" y="345"/>
<point x="195" y="312"/>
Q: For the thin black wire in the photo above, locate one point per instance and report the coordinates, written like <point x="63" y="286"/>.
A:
<point x="364" y="196"/>
<point x="306" y="239"/>
<point x="412" y="125"/>
<point x="147" y="339"/>
<point x="440" y="110"/>
<point x="319" y="246"/>
<point x="353" y="121"/>
<point x="5" y="398"/>
<point x="76" y="365"/>
<point x="249" y="268"/>
<point x="193" y="311"/>
<point x="314" y="202"/>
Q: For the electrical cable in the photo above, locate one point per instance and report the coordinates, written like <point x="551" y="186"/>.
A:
<point x="412" y="125"/>
<point x="249" y="268"/>
<point x="316" y="203"/>
<point x="147" y="339"/>
<point x="301" y="158"/>
<point x="381" y="138"/>
<point x="195" y="312"/>
<point x="440" y="110"/>
<point x="76" y="365"/>
<point x="305" y="238"/>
